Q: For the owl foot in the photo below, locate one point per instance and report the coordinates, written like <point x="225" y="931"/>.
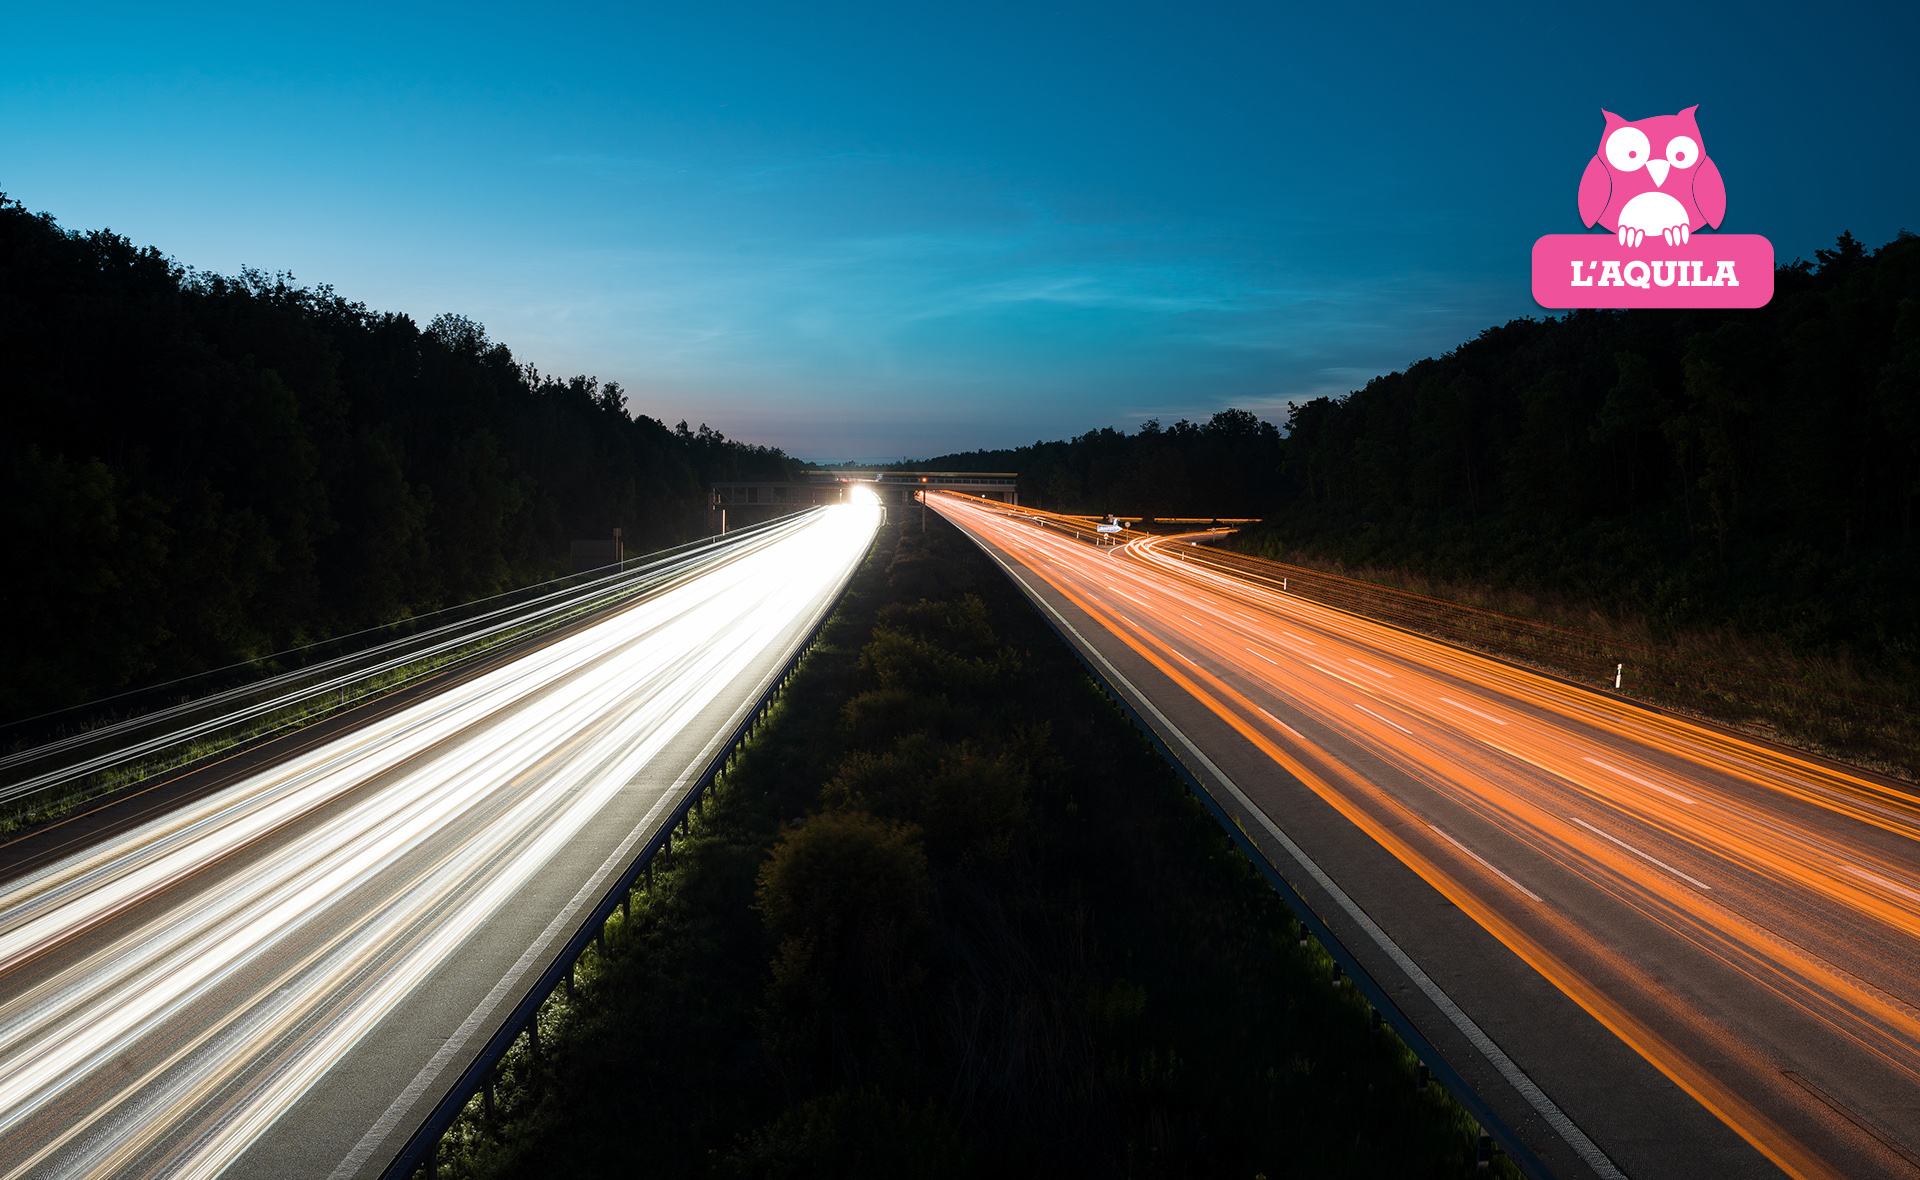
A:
<point x="1677" y="236"/>
<point x="1630" y="236"/>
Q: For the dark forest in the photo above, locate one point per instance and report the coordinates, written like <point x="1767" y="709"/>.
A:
<point x="201" y="470"/>
<point x="207" y="469"/>
<point x="1758" y="470"/>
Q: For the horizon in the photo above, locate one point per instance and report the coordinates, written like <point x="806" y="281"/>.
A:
<point x="871" y="233"/>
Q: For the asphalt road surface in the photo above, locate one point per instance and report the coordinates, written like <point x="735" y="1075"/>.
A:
<point x="1657" y="948"/>
<point x="282" y="977"/>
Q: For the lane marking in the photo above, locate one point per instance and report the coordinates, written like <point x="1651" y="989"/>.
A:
<point x="1269" y="659"/>
<point x="1749" y="1123"/>
<point x="1377" y="717"/>
<point x="1877" y="879"/>
<point x="1527" y="1088"/>
<point x="1643" y="782"/>
<point x="555" y="932"/>
<point x="1646" y="856"/>
<point x="1472" y="710"/>
<point x="1291" y="635"/>
<point x="1283" y="725"/>
<point x="1489" y="864"/>
<point x="501" y="992"/>
<point x="1370" y="668"/>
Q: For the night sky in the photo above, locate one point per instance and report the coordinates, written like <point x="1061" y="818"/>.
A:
<point x="871" y="232"/>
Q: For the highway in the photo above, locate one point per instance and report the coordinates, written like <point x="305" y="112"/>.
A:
<point x="1655" y="947"/>
<point x="281" y="977"/>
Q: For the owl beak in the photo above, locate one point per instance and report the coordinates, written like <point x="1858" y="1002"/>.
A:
<point x="1658" y="170"/>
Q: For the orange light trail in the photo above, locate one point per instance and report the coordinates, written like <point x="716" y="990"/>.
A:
<point x="1567" y="823"/>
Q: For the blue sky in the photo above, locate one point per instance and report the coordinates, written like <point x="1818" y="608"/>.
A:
<point x="886" y="230"/>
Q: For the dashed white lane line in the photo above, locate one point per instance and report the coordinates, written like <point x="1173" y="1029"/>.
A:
<point x="1634" y="778"/>
<point x="1269" y="659"/>
<point x="1378" y="717"/>
<point x="1283" y="725"/>
<point x="1484" y="861"/>
<point x="1515" y="1076"/>
<point x="1472" y="710"/>
<point x="1877" y="879"/>
<point x="1646" y="856"/>
<point x="1291" y="635"/>
<point x="1369" y="667"/>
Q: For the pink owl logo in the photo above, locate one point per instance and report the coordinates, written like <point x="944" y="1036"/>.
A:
<point x="1652" y="187"/>
<point x="1652" y="178"/>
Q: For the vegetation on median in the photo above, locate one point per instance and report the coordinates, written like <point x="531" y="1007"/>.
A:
<point x="950" y="915"/>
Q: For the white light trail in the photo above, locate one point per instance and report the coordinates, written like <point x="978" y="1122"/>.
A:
<point x="166" y="995"/>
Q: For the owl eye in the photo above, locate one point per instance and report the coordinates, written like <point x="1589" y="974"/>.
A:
<point x="1628" y="149"/>
<point x="1682" y="152"/>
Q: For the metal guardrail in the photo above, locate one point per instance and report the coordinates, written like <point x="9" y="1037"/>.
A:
<point x="1596" y="659"/>
<point x="91" y="764"/>
<point x="414" y="1154"/>
<point x="1424" y="1050"/>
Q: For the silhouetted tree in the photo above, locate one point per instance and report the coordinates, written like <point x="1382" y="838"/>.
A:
<point x="202" y="469"/>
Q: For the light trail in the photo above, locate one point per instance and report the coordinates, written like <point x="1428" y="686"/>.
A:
<point x="167" y="995"/>
<point x="1741" y="916"/>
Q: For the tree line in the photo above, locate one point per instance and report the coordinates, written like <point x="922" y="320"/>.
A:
<point x="201" y="469"/>
<point x="1753" y="469"/>
<point x="1228" y="465"/>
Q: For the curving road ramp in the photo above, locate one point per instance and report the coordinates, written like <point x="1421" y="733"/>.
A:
<point x="1652" y="947"/>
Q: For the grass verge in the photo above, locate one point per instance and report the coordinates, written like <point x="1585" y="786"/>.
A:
<point x="1825" y="700"/>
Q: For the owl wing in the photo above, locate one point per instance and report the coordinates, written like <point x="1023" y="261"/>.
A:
<point x="1595" y="187"/>
<point x="1710" y="192"/>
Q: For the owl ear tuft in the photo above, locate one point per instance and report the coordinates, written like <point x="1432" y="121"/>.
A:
<point x="1610" y="117"/>
<point x="1688" y="113"/>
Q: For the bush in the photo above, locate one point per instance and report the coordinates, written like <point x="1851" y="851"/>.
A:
<point x="844" y="895"/>
<point x="861" y="1136"/>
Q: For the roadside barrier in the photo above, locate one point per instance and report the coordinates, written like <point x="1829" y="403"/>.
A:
<point x="1595" y="659"/>
<point x="417" y="1153"/>
<point x="86" y="766"/>
<point x="1345" y="965"/>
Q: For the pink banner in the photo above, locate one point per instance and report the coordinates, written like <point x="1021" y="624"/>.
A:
<point x="1707" y="270"/>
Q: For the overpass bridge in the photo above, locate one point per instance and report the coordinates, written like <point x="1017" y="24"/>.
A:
<point x="733" y="503"/>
